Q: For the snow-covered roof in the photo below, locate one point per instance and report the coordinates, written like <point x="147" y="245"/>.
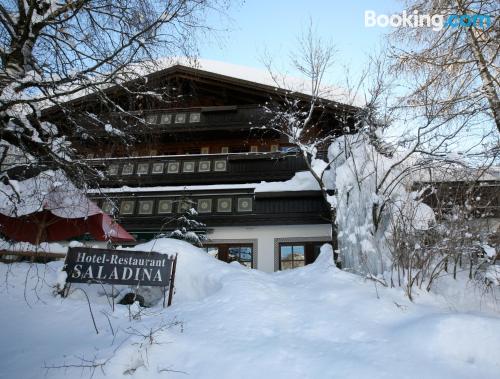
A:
<point x="251" y="75"/>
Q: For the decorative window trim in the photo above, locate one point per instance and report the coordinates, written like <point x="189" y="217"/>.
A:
<point x="169" y="171"/>
<point x="194" y="117"/>
<point x="240" y="200"/>
<point x="220" y="169"/>
<point x="105" y="205"/>
<point x="151" y="118"/>
<point x="220" y="200"/>
<point x="131" y="212"/>
<point x="159" y="171"/>
<point x="180" y="118"/>
<point x="167" y="201"/>
<point x="142" y="172"/>
<point x="113" y="169"/>
<point x="166" y="118"/>
<point x="151" y="208"/>
<point x="180" y="206"/>
<point x="208" y="163"/>
<point x="185" y="163"/>
<point x="128" y="172"/>
<point x="208" y="210"/>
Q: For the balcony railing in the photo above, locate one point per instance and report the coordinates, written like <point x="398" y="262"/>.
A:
<point x="200" y="118"/>
<point x="198" y="169"/>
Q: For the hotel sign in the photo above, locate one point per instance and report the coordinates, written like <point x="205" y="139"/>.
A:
<point x="89" y="265"/>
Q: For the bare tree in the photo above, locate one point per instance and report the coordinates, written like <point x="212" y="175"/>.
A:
<point x="460" y="63"/>
<point x="54" y="51"/>
<point x="305" y="115"/>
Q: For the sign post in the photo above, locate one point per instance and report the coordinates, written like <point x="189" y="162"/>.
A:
<point x="120" y="267"/>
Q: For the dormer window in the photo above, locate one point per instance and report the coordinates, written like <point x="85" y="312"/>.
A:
<point x="254" y="149"/>
<point x="151" y="118"/>
<point x="274" y="148"/>
<point x="166" y="118"/>
<point x="224" y="149"/>
<point x="194" y="117"/>
<point x="180" y="118"/>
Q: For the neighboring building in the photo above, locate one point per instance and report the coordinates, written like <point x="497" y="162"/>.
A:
<point x="206" y="147"/>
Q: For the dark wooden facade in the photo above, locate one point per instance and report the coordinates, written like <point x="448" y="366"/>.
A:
<point x="199" y="139"/>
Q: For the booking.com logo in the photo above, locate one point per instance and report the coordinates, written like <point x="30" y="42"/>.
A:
<point x="436" y="21"/>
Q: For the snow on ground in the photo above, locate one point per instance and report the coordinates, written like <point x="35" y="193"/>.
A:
<point x="233" y="322"/>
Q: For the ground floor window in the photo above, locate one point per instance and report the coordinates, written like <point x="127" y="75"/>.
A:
<point x="242" y="253"/>
<point x="298" y="254"/>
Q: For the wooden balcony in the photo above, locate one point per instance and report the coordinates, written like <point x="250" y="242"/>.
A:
<point x="153" y="211"/>
<point x="197" y="119"/>
<point x="198" y="169"/>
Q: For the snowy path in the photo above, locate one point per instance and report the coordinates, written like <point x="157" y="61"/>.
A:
<point x="315" y="322"/>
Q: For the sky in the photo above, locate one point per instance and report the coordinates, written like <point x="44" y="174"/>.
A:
<point x="257" y="26"/>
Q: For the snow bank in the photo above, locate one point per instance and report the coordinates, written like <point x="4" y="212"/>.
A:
<point x="228" y="322"/>
<point x="199" y="274"/>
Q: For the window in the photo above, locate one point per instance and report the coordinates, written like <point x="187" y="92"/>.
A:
<point x="244" y="204"/>
<point x="113" y="169"/>
<point x="188" y="166"/>
<point x="254" y="149"/>
<point x="220" y="165"/>
<point x="166" y="118"/>
<point x="241" y="254"/>
<point x="143" y="168"/>
<point x="204" y="166"/>
<point x="180" y="118"/>
<point x="224" y="149"/>
<point x="151" y="118"/>
<point x="194" y="117"/>
<point x="204" y="206"/>
<point x="274" y="148"/>
<point x="224" y="204"/>
<point x="90" y="155"/>
<point x="232" y="252"/>
<point x="153" y="152"/>
<point x="292" y="256"/>
<point x="145" y="207"/>
<point x="173" y="167"/>
<point x="205" y="150"/>
<point x="157" y="168"/>
<point x="128" y="169"/>
<point x="165" y="206"/>
<point x="127" y="207"/>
